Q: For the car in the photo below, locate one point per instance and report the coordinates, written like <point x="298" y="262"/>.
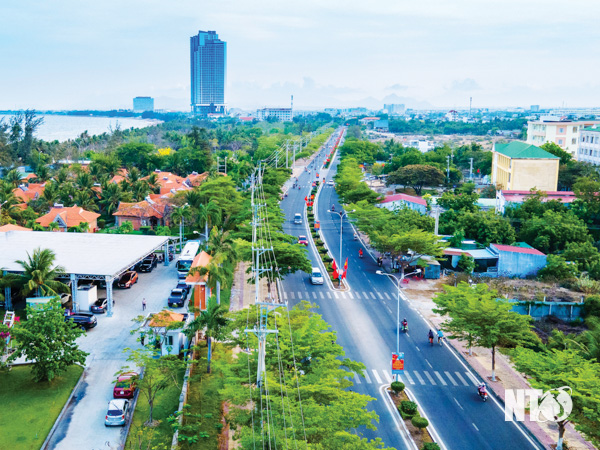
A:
<point x="116" y="414"/>
<point x="99" y="306"/>
<point x="316" y="277"/>
<point x="126" y="385"/>
<point x="83" y="320"/>
<point x="330" y="183"/>
<point x="302" y="240"/>
<point x="184" y="286"/>
<point x="177" y="298"/>
<point x="298" y="219"/>
<point x="127" y="279"/>
<point x="148" y="263"/>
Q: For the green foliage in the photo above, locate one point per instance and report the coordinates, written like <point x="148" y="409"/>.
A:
<point x="551" y="147"/>
<point x="408" y="409"/>
<point x="416" y="176"/>
<point x="420" y="422"/>
<point x="553" y="231"/>
<point x="46" y="338"/>
<point x="457" y="238"/>
<point x="466" y="263"/>
<point x="483" y="227"/>
<point x="125" y="228"/>
<point x="397" y="387"/>
<point x="591" y="306"/>
<point x="459" y="202"/>
<point x="557" y="269"/>
<point x="430" y="446"/>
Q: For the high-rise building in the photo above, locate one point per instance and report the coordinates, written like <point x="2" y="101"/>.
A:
<point x="208" y="61"/>
<point x="143" y="104"/>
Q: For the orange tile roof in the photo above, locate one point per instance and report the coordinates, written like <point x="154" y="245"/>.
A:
<point x="29" y="176"/>
<point x="202" y="259"/>
<point x="70" y="216"/>
<point x="196" y="179"/>
<point x="165" y="317"/>
<point x="13" y="227"/>
<point x="29" y="191"/>
<point x="170" y="182"/>
<point x="119" y="176"/>
<point x="143" y="209"/>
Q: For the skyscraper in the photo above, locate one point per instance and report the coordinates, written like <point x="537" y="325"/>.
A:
<point x="208" y="58"/>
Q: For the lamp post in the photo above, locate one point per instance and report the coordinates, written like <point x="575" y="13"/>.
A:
<point x="397" y="282"/>
<point x="342" y="215"/>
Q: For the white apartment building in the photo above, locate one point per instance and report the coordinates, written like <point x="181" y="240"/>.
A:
<point x="281" y="114"/>
<point x="589" y="145"/>
<point x="564" y="133"/>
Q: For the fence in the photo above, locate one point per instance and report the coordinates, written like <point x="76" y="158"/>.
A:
<point x="563" y="310"/>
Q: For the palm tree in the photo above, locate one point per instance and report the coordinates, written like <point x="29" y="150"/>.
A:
<point x="153" y="183"/>
<point x="86" y="200"/>
<point x="110" y="197"/>
<point x="220" y="242"/>
<point x="178" y="216"/>
<point x="13" y="177"/>
<point x="213" y="321"/>
<point x="209" y="214"/>
<point x="42" y="174"/>
<point x="217" y="272"/>
<point x="50" y="195"/>
<point x="39" y="275"/>
<point x="84" y="181"/>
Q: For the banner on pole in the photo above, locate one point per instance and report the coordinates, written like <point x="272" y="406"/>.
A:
<point x="397" y="363"/>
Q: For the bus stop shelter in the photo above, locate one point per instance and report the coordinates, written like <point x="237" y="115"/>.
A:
<point x="84" y="256"/>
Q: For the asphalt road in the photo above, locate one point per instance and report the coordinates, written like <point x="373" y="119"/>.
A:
<point x="364" y="318"/>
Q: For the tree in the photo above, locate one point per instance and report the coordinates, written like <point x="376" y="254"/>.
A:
<point x="552" y="231"/>
<point x="39" y="275"/>
<point x="159" y="373"/>
<point x="135" y="154"/>
<point x="486" y="228"/>
<point x="214" y="322"/>
<point x="209" y="214"/>
<point x="416" y="176"/>
<point x="550" y="370"/>
<point x="179" y="216"/>
<point x="48" y="340"/>
<point x="466" y="263"/>
<point x="551" y="147"/>
<point x="459" y="202"/>
<point x="556" y="268"/>
<point x="486" y="319"/>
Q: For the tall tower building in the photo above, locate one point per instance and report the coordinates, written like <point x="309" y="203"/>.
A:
<point x="208" y="62"/>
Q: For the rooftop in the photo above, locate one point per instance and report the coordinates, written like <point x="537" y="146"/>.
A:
<point x="521" y="150"/>
<point x="404" y="197"/>
<point x="69" y="216"/>
<point x="516" y="249"/>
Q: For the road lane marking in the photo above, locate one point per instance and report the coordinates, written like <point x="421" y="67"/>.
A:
<point x="366" y="296"/>
<point x="328" y="295"/>
<point x="418" y="349"/>
<point x="299" y="295"/>
<point x="437" y="374"/>
<point x="429" y="377"/>
<point x="343" y="294"/>
<point x="373" y="295"/>
<point x="307" y="295"/>
<point x="462" y="380"/>
<point x="472" y="378"/>
<point x="387" y="376"/>
<point x="321" y="294"/>
<point x="285" y="295"/>
<point x="350" y="295"/>
<point x="335" y="294"/>
<point x="380" y="296"/>
<point x="367" y="377"/>
<point x="459" y="405"/>
<point x="356" y="378"/>
<point x="293" y="295"/>
<point x="377" y="377"/>
<point x="421" y="380"/>
<point x="408" y="377"/>
<point x="451" y="379"/>
<point x="428" y="363"/>
<point x="314" y="295"/>
<point x="386" y="295"/>
<point x="476" y="427"/>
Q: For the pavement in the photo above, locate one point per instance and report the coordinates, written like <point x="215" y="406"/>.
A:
<point x="364" y="318"/>
<point x="82" y="426"/>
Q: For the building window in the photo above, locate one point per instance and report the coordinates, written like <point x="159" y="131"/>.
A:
<point x="574" y="141"/>
<point x="168" y="340"/>
<point x="561" y="130"/>
<point x="574" y="129"/>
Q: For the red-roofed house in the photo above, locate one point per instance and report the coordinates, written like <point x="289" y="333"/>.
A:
<point x="506" y="197"/>
<point x="13" y="227"/>
<point x="400" y="201"/>
<point x="29" y="191"/>
<point x="69" y="217"/>
<point x="151" y="212"/>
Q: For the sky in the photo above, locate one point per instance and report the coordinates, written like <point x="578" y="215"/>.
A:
<point x="69" y="54"/>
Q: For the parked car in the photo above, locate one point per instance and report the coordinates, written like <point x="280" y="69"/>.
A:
<point x="126" y="385"/>
<point x="298" y="219"/>
<point x="99" y="306"/>
<point x="116" y="414"/>
<point x="177" y="298"/>
<point x="127" y="279"/>
<point x="316" y="277"/>
<point x="148" y="263"/>
<point x="84" y="320"/>
<point x="302" y="240"/>
<point x="184" y="286"/>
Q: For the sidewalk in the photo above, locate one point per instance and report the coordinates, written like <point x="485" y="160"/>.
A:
<point x="243" y="292"/>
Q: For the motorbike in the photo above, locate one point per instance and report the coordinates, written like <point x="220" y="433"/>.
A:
<point x="405" y="328"/>
<point x="483" y="395"/>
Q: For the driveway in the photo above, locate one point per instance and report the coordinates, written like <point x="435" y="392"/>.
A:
<point x="82" y="425"/>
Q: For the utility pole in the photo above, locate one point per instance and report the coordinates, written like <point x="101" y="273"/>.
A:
<point x="287" y="145"/>
<point x="471" y="170"/>
<point x="448" y="169"/>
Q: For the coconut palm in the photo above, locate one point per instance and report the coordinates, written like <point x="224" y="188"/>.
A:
<point x="214" y="322"/>
<point x="84" y="181"/>
<point x="153" y="183"/>
<point x="179" y="216"/>
<point x="86" y="199"/>
<point x="209" y="214"/>
<point x="13" y="177"/>
<point x="39" y="275"/>
<point x="110" y="198"/>
<point x="50" y="195"/>
<point x="220" y="242"/>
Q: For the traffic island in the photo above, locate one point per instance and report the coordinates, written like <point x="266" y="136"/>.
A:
<point x="414" y="423"/>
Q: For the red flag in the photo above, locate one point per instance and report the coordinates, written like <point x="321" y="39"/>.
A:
<point x="477" y="170"/>
<point x="335" y="274"/>
<point x="345" y="268"/>
<point x="333" y="266"/>
<point x="306" y="199"/>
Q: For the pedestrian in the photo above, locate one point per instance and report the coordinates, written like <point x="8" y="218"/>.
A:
<point x="143" y="338"/>
<point x="144" y="304"/>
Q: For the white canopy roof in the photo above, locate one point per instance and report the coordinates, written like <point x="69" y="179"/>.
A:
<point x="79" y="253"/>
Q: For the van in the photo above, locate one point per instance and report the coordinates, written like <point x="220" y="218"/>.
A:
<point x="316" y="277"/>
<point x="298" y="219"/>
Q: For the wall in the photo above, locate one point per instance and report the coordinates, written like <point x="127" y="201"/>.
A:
<point x="519" y="264"/>
<point x="541" y="174"/>
<point x="563" y="310"/>
<point x="501" y="168"/>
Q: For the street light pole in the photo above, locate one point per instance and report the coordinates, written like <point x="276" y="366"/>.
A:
<point x="342" y="215"/>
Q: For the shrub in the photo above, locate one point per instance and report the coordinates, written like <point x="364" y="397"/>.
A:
<point x="420" y="422"/>
<point x="397" y="387"/>
<point x="319" y="242"/>
<point x="430" y="446"/>
<point x="591" y="306"/>
<point x="408" y="409"/>
<point x="322" y="250"/>
<point x="327" y="258"/>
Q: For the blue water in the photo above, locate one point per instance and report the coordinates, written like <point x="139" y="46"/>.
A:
<point x="62" y="128"/>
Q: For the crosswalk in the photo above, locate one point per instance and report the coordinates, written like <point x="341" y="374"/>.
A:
<point x="336" y="295"/>
<point x="416" y="377"/>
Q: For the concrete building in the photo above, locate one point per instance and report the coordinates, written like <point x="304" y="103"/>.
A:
<point x="506" y="198"/>
<point x="395" y="109"/>
<point x="589" y="145"/>
<point x="208" y="61"/>
<point x="281" y="114"/>
<point x="400" y="201"/>
<point x="165" y="330"/>
<point x="143" y="104"/>
<point x="381" y="125"/>
<point x="520" y="166"/>
<point x="564" y="133"/>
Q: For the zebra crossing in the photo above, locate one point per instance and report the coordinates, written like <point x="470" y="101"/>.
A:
<point x="416" y="377"/>
<point x="336" y="295"/>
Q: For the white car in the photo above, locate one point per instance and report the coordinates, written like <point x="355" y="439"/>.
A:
<point x="316" y="277"/>
<point x="116" y="414"/>
<point x="330" y="183"/>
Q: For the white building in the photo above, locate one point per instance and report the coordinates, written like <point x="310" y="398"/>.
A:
<point x="564" y="133"/>
<point x="161" y="330"/>
<point x="589" y="145"/>
<point x="395" y="109"/>
<point x="281" y="114"/>
<point x="422" y="145"/>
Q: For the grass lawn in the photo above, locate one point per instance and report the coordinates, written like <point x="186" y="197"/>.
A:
<point x="30" y="409"/>
<point x="165" y="404"/>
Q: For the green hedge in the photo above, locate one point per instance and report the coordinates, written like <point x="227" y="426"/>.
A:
<point x="408" y="409"/>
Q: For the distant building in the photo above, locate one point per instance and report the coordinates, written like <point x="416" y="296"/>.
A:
<point x="421" y="145"/>
<point x="400" y="201"/>
<point x="520" y="166"/>
<point x="564" y="133"/>
<point x="208" y="60"/>
<point x="534" y="108"/>
<point x="69" y="217"/>
<point x="589" y="145"/>
<point x="143" y="104"/>
<point x="381" y="125"/>
<point x="281" y="114"/>
<point x="394" y="109"/>
<point x="367" y="120"/>
<point x="506" y="198"/>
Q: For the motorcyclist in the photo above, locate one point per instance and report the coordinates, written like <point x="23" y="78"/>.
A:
<point x="405" y="325"/>
<point x="355" y="236"/>
<point x="333" y="207"/>
<point x="360" y="253"/>
<point x="431" y="337"/>
<point x="379" y="261"/>
<point x="481" y="389"/>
